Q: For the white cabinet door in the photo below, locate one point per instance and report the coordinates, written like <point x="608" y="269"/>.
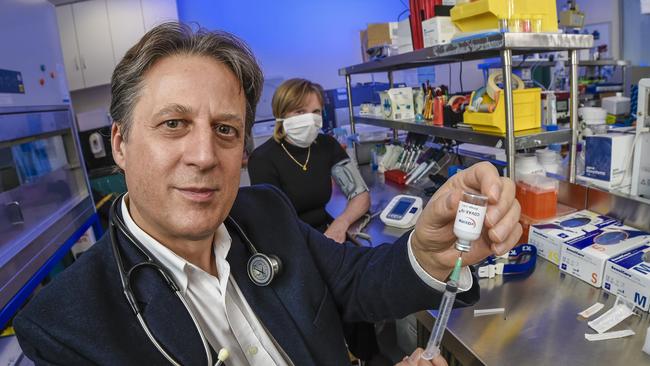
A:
<point x="126" y="24"/>
<point x="94" y="39"/>
<point x="69" y="47"/>
<point x="155" y="12"/>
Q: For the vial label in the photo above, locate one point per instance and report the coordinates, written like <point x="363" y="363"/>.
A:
<point x="469" y="217"/>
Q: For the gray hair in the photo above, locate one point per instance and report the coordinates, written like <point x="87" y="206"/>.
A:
<point x="173" y="38"/>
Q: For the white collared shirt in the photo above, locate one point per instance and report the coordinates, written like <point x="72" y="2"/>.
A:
<point x="224" y="316"/>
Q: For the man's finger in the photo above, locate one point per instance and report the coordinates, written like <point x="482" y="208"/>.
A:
<point x="510" y="242"/>
<point x="483" y="177"/>
<point x="496" y="212"/>
<point x="444" y="208"/>
<point x="441" y="209"/>
<point x="437" y="361"/>
<point x="502" y="228"/>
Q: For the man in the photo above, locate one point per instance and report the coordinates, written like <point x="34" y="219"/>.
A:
<point x="182" y="102"/>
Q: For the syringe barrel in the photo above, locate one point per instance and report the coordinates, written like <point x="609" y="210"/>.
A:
<point x="447" y="303"/>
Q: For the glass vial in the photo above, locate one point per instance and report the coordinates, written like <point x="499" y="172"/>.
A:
<point x="469" y="220"/>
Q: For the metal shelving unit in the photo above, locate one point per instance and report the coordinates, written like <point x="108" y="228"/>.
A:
<point x="523" y="139"/>
<point x="480" y="47"/>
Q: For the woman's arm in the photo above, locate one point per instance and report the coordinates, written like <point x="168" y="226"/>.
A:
<point x="355" y="208"/>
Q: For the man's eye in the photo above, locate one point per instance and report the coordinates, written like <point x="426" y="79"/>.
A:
<point x="226" y="130"/>
<point x="173" y="123"/>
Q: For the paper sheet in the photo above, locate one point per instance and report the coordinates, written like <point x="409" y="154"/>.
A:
<point x="609" y="335"/>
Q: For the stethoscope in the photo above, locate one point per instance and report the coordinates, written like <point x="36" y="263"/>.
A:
<point x="261" y="268"/>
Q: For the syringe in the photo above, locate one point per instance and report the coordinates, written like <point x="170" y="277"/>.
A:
<point x="447" y="303"/>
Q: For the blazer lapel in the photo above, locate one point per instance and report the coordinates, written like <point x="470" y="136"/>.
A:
<point x="167" y="318"/>
<point x="268" y="304"/>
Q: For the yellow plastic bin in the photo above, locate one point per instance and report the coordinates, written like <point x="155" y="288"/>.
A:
<point x="485" y="14"/>
<point x="527" y="111"/>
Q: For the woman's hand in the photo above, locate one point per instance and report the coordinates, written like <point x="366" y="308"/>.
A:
<point x="337" y="229"/>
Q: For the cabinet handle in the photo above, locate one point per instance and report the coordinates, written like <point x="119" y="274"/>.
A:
<point x="15" y="213"/>
<point x="76" y="64"/>
<point x="83" y="62"/>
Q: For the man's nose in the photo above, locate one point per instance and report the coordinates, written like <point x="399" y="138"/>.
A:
<point x="201" y="148"/>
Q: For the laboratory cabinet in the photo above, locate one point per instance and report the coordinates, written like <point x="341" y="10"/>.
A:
<point x="96" y="34"/>
<point x="44" y="194"/>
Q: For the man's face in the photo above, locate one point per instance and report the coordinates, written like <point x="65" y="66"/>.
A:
<point x="183" y="153"/>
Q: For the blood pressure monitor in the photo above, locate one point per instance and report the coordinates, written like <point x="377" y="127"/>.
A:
<point x="402" y="211"/>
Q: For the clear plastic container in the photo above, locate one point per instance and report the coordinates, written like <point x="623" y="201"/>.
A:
<point x="525" y="23"/>
<point x="537" y="196"/>
<point x="536" y="24"/>
<point x="549" y="159"/>
<point x="527" y="164"/>
<point x="514" y="25"/>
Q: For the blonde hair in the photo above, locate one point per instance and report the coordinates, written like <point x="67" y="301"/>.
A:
<point x="290" y="96"/>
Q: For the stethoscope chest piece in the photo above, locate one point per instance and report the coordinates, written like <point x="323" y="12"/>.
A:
<point x="262" y="268"/>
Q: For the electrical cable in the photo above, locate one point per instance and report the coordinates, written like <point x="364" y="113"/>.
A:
<point x="402" y="13"/>
<point x="406" y="9"/>
<point x="522" y="62"/>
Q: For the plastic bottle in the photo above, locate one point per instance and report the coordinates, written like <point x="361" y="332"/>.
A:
<point x="549" y="160"/>
<point x="469" y="220"/>
<point x="527" y="164"/>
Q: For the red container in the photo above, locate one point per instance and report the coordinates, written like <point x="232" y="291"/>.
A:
<point x="537" y="196"/>
<point x="438" y="110"/>
<point x="395" y="176"/>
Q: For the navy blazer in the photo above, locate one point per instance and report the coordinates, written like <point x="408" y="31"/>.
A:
<point x="82" y="316"/>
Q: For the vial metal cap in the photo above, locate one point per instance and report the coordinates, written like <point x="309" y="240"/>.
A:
<point x="463" y="245"/>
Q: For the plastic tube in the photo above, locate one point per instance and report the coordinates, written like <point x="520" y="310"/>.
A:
<point x="447" y="303"/>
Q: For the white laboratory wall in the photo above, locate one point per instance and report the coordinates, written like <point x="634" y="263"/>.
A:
<point x="636" y="28"/>
<point x="297" y="38"/>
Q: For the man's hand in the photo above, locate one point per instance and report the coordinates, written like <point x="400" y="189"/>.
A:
<point x="415" y="360"/>
<point x="433" y="239"/>
<point x="337" y="229"/>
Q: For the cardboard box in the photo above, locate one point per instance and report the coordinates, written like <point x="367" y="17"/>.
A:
<point x="608" y="158"/>
<point x="549" y="236"/>
<point x="380" y="34"/>
<point x="404" y="39"/>
<point x="397" y="103"/>
<point x="628" y="276"/>
<point x="585" y="257"/>
<point x="437" y="30"/>
<point x="363" y="38"/>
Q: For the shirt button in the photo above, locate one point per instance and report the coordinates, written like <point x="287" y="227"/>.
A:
<point x="252" y="350"/>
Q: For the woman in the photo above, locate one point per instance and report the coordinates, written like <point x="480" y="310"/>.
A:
<point x="299" y="160"/>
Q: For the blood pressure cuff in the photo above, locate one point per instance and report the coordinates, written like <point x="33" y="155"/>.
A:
<point x="347" y="176"/>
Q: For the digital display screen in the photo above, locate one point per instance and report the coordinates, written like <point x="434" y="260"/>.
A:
<point x="401" y="207"/>
<point x="562" y="105"/>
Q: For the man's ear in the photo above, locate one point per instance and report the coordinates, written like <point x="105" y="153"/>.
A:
<point x="118" y="146"/>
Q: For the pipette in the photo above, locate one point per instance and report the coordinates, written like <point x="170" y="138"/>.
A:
<point x="447" y="303"/>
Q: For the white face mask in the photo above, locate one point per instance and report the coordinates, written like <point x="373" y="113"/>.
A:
<point x="302" y="129"/>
